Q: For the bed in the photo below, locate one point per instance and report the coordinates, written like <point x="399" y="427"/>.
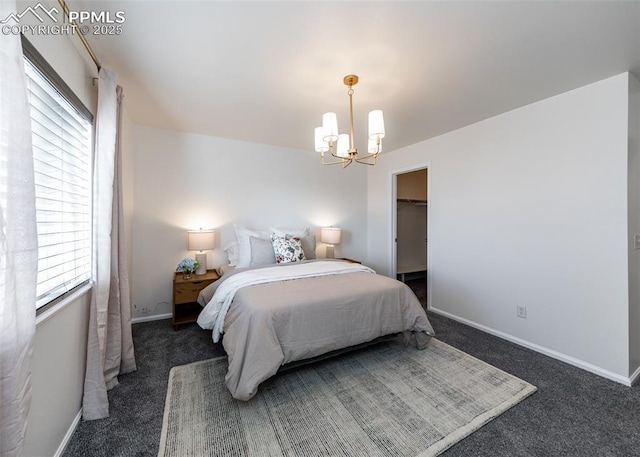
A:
<point x="269" y="316"/>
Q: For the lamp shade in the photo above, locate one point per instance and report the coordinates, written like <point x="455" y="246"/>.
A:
<point x="200" y="240"/>
<point x="343" y="145"/>
<point x="330" y="126"/>
<point x="330" y="235"/>
<point x="376" y="124"/>
<point x="321" y="144"/>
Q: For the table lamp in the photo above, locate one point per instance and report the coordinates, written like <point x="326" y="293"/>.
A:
<point x="331" y="236"/>
<point x="201" y="240"/>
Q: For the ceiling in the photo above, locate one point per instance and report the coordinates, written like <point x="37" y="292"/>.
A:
<point x="266" y="71"/>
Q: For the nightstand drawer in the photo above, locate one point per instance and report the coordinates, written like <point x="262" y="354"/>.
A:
<point x="188" y="292"/>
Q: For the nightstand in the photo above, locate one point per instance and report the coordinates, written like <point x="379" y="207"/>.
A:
<point x="349" y="260"/>
<point x="185" y="295"/>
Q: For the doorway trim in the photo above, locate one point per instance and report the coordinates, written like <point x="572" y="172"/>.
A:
<point x="393" y="205"/>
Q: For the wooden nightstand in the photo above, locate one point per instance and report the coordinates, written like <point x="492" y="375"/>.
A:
<point x="185" y="307"/>
<point x="349" y="260"/>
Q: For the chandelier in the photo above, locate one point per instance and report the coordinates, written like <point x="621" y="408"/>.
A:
<point x="340" y="145"/>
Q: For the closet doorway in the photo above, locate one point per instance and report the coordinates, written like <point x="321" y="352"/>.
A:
<point x="411" y="226"/>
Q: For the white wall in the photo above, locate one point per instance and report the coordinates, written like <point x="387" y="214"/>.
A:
<point x="529" y="208"/>
<point x="127" y="181"/>
<point x="634" y="227"/>
<point x="185" y="181"/>
<point x="57" y="377"/>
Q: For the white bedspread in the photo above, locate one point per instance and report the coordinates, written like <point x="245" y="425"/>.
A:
<point x="213" y="315"/>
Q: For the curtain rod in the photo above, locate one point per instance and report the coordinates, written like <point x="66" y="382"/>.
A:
<point x="64" y="6"/>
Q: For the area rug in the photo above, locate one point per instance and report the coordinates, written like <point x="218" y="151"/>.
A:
<point x="385" y="400"/>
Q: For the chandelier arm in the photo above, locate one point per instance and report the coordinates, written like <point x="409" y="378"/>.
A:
<point x="331" y="149"/>
<point x="375" y="154"/>
<point x="363" y="161"/>
<point x="368" y="156"/>
<point x="335" y="162"/>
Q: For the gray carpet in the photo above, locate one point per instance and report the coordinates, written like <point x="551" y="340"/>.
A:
<point x="573" y="413"/>
<point x="387" y="400"/>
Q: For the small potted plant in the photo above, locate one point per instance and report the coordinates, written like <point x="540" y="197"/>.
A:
<point x="187" y="266"/>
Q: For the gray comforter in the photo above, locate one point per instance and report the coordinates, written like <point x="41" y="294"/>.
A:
<point x="268" y="325"/>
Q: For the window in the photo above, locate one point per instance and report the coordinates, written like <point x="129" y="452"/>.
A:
<point x="62" y="136"/>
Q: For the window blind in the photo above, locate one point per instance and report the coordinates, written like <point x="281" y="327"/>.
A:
<point x="62" y="166"/>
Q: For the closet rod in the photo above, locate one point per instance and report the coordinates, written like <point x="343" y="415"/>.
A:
<point x="65" y="8"/>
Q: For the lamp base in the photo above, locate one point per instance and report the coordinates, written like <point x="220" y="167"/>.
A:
<point x="201" y="258"/>
<point x="330" y="253"/>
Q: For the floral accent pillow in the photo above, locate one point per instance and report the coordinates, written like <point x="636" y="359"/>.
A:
<point x="287" y="250"/>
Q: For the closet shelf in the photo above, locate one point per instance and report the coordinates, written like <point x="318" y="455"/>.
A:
<point x="415" y="202"/>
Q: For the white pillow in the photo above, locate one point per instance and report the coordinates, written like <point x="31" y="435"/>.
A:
<point x="244" y="234"/>
<point x="224" y="269"/>
<point x="232" y="250"/>
<point x="300" y="232"/>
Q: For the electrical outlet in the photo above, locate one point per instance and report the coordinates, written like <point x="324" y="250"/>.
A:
<point x="521" y="311"/>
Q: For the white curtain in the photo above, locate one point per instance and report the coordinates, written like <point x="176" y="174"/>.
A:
<point x="18" y="244"/>
<point x="120" y="357"/>
<point x="110" y="345"/>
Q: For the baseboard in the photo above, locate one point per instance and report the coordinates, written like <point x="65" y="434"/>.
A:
<point x="634" y="377"/>
<point x="543" y="350"/>
<point x="68" y="435"/>
<point x="156" y="317"/>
